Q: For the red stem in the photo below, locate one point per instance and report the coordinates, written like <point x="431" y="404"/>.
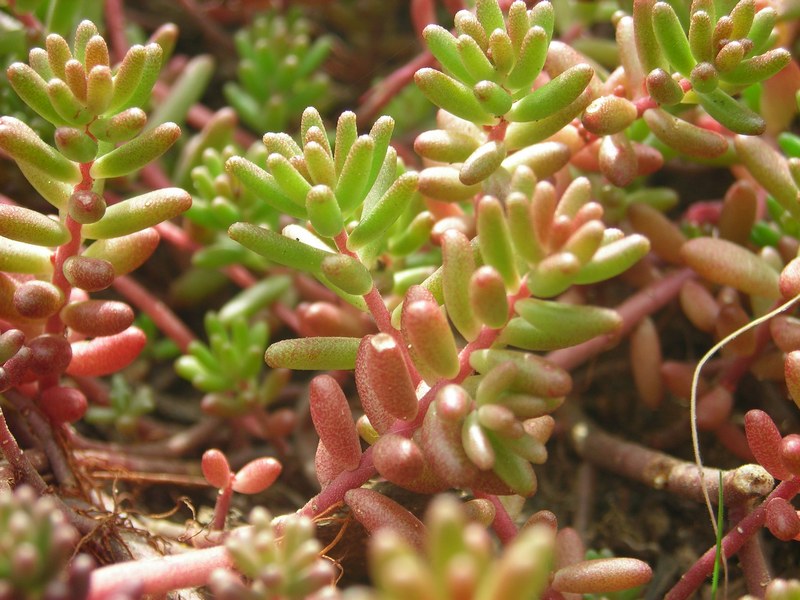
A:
<point x="503" y="524"/>
<point x="115" y="28"/>
<point x="222" y="506"/>
<point x="645" y="302"/>
<point x="49" y="437"/>
<point x="731" y="543"/>
<point x="751" y="557"/>
<point x="161" y="574"/>
<point x="379" y="312"/>
<point x="166" y="320"/>
<point x="380" y="95"/>
<point x="69" y="249"/>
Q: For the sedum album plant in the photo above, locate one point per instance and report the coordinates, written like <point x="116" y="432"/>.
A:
<point x="382" y="333"/>
<point x="49" y="264"/>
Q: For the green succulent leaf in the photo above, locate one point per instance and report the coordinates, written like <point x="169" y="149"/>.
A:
<point x="683" y="136"/>
<point x="138" y="213"/>
<point x="26" y="225"/>
<point x="671" y="38"/>
<point x="20" y="257"/>
<point x="614" y="258"/>
<point x="278" y="248"/>
<point x="136" y="153"/>
<point x="315" y="354"/>
<point x="732" y="114"/>
<point x="24" y="145"/>
<point x="561" y="91"/>
<point x="758" y="68"/>
<point x="32" y="88"/>
<point x="385" y="212"/>
<point x="453" y="96"/>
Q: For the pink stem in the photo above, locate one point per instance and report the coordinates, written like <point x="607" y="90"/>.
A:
<point x="423" y="12"/>
<point x="161" y="574"/>
<point x="222" y="506"/>
<point x="115" y="28"/>
<point x="177" y="237"/>
<point x="375" y="303"/>
<point x="645" y="302"/>
<point x="379" y="312"/>
<point x="239" y="275"/>
<point x="334" y="492"/>
<point x="503" y="524"/>
<point x="166" y="320"/>
<point x="63" y="252"/>
<point x="32" y="24"/>
<point x="380" y="95"/>
<point x="731" y="543"/>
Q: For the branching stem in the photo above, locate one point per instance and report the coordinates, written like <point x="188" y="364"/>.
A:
<point x="731" y="543"/>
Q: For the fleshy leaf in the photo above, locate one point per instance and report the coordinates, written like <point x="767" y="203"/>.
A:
<point x="24" y="145"/>
<point x="726" y="263"/>
<point x="105" y="355"/>
<point x="333" y="421"/>
<point x="26" y="225"/>
<point x="453" y="96"/>
<point x="315" y="353"/>
<point x="138" y="213"/>
<point x="137" y="153"/>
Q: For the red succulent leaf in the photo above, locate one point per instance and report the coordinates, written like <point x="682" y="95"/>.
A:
<point x="256" y="476"/>
<point x="215" y="468"/>
<point x="764" y="440"/>
<point x="106" y="355"/>
<point x="401" y="461"/>
<point x="790" y="453"/>
<point x="97" y="318"/>
<point x="333" y="421"/>
<point x="63" y="404"/>
<point x="375" y="511"/>
<point x="782" y="520"/>
<point x="602" y="575"/>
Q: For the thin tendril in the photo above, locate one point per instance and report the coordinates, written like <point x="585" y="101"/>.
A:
<point x="693" y="398"/>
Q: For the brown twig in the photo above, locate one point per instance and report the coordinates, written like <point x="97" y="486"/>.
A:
<point x="22" y="469"/>
<point x="662" y="471"/>
<point x="48" y="438"/>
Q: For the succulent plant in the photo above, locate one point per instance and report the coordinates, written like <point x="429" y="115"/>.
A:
<point x="278" y="70"/>
<point x="458" y="562"/>
<point x="278" y="565"/>
<point x="37" y="549"/>
<point x="367" y="317"/>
